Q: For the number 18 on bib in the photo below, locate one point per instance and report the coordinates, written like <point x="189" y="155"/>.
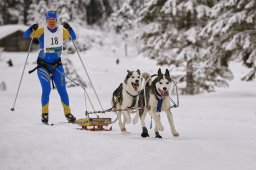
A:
<point x="53" y="41"/>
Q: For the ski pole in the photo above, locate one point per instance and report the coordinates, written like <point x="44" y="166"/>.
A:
<point x="87" y="73"/>
<point x="12" y="109"/>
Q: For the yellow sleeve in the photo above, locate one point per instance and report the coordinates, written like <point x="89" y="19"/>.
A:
<point x="37" y="33"/>
<point x="66" y="34"/>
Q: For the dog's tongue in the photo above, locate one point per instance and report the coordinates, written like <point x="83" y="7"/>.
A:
<point x="135" y="86"/>
<point x="163" y="93"/>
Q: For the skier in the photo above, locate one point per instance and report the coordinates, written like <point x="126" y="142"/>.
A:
<point x="49" y="66"/>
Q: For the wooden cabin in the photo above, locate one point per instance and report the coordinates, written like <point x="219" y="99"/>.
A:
<point x="11" y="38"/>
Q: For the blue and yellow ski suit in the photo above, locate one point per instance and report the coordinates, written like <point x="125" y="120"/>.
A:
<point x="58" y="74"/>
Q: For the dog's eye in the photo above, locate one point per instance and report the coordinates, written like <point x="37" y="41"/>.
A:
<point x="160" y="83"/>
<point x="167" y="82"/>
<point x="138" y="77"/>
<point x="133" y="77"/>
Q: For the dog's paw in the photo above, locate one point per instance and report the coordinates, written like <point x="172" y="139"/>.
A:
<point x="123" y="130"/>
<point x="144" y="135"/>
<point x="158" y="135"/>
<point x="175" y="134"/>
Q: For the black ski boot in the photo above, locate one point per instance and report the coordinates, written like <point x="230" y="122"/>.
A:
<point x="44" y="118"/>
<point x="70" y="118"/>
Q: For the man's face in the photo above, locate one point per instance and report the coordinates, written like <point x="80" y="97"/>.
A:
<point x="51" y="23"/>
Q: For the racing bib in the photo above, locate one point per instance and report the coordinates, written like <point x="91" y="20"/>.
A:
<point x="53" y="42"/>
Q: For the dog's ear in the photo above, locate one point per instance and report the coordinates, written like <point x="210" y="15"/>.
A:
<point x="128" y="71"/>
<point x="159" y="72"/>
<point x="167" y="73"/>
<point x="138" y="71"/>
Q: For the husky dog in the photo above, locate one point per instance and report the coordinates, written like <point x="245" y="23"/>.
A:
<point x="157" y="100"/>
<point x="127" y="96"/>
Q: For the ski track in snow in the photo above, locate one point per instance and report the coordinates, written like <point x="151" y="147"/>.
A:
<point x="217" y="130"/>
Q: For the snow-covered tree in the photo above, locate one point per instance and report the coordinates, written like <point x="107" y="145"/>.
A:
<point x="123" y="19"/>
<point x="137" y="4"/>
<point x="122" y="22"/>
<point x="26" y="6"/>
<point x="68" y="10"/>
<point x="11" y="11"/>
<point x="232" y="32"/>
<point x="171" y="36"/>
<point x="36" y="12"/>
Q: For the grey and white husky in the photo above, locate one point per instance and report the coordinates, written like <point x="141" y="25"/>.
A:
<point x="157" y="100"/>
<point x="127" y="96"/>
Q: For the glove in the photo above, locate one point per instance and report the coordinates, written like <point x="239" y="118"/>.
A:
<point x="66" y="25"/>
<point x="34" y="27"/>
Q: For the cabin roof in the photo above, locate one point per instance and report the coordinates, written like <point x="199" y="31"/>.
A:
<point x="6" y="30"/>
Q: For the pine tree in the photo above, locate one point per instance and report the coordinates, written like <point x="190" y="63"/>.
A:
<point x="36" y="12"/>
<point x="96" y="12"/>
<point x="123" y="19"/>
<point x="231" y="33"/>
<point x="171" y="36"/>
<point x="26" y="6"/>
<point x="11" y="11"/>
<point x="66" y="11"/>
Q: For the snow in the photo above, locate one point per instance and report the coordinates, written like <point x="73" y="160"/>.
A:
<point x="217" y="130"/>
<point x="191" y="35"/>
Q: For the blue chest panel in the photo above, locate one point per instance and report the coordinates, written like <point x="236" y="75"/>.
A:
<point x="159" y="104"/>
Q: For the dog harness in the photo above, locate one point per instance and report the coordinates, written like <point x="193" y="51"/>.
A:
<point x="46" y="66"/>
<point x="134" y="99"/>
<point x="159" y="100"/>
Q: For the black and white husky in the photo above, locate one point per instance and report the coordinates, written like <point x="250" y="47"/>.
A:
<point x="157" y="100"/>
<point x="127" y="96"/>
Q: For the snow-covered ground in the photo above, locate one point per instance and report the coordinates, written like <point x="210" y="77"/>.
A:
<point x="217" y="130"/>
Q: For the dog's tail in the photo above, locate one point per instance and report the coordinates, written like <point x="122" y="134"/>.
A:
<point x="146" y="76"/>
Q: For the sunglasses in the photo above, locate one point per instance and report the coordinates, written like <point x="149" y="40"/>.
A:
<point x="51" y="12"/>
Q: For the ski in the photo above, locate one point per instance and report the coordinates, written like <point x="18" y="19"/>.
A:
<point x="48" y="124"/>
<point x="57" y="123"/>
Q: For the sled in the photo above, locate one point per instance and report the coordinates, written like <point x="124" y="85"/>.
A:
<point x="95" y="124"/>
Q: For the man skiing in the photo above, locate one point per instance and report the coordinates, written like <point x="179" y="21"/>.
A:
<point x="49" y="66"/>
